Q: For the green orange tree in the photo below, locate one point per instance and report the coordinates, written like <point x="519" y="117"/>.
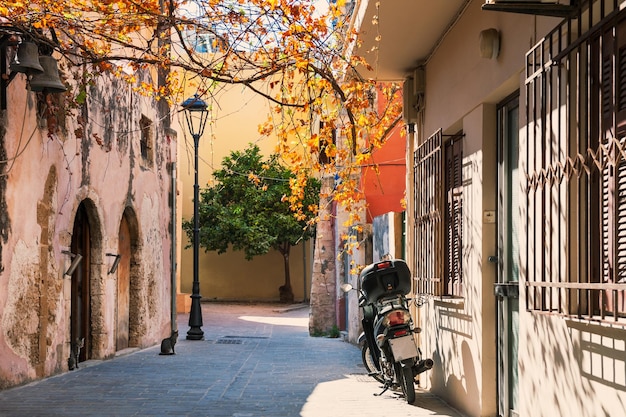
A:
<point x="295" y="53"/>
<point x="246" y="208"/>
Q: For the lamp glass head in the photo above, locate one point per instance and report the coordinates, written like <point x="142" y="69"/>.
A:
<point x="196" y="114"/>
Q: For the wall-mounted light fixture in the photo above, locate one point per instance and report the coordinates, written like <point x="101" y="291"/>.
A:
<point x="489" y="43"/>
<point x="76" y="258"/>
<point x="116" y="262"/>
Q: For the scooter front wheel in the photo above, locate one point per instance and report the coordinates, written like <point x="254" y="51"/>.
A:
<point x="404" y="374"/>
<point x="370" y="364"/>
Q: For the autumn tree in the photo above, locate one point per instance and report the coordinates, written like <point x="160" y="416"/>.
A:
<point x="298" y="54"/>
<point x="247" y="208"/>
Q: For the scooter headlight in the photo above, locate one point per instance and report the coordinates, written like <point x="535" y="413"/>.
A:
<point x="396" y="318"/>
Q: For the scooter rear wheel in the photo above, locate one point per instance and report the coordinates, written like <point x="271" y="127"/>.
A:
<point x="404" y="374"/>
<point x="370" y="364"/>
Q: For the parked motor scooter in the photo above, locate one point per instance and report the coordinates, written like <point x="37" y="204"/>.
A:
<point x="388" y="347"/>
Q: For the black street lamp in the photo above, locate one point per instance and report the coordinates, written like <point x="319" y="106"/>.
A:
<point x="196" y="114"/>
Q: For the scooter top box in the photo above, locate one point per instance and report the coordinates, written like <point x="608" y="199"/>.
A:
<point x="385" y="278"/>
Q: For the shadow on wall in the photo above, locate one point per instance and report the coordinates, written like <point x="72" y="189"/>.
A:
<point x="598" y="345"/>
<point x="460" y="390"/>
<point x="601" y="355"/>
<point x="584" y="372"/>
<point x="467" y="383"/>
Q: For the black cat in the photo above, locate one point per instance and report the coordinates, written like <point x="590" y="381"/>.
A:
<point x="167" y="344"/>
<point x="75" y="347"/>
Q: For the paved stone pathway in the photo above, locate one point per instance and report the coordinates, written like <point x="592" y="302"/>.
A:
<point x="255" y="361"/>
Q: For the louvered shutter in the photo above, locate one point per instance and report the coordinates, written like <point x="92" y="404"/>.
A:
<point x="620" y="229"/>
<point x="619" y="153"/>
<point x="620" y="80"/>
<point x="613" y="201"/>
<point x="454" y="219"/>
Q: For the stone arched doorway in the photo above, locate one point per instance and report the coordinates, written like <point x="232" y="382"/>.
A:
<point x="80" y="316"/>
<point x="128" y="302"/>
<point x="86" y="294"/>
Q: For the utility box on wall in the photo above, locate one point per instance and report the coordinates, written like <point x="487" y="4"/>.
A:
<point x="412" y="94"/>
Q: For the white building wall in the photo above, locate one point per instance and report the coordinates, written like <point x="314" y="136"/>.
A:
<point x="566" y="367"/>
<point x="461" y="92"/>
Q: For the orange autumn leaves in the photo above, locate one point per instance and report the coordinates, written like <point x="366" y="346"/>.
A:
<point x="291" y="52"/>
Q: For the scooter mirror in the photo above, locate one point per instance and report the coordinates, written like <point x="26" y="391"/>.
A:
<point x="346" y="287"/>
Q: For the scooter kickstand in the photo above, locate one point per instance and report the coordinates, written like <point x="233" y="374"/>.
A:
<point x="382" y="392"/>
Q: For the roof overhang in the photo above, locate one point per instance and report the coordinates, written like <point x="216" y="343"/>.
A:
<point x="397" y="36"/>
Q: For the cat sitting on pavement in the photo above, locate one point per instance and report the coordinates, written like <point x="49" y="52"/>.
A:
<point x="75" y="347"/>
<point x="167" y="344"/>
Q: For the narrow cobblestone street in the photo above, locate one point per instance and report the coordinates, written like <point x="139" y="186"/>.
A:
<point x="256" y="360"/>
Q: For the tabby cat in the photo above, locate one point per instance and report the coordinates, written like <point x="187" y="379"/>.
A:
<point x="167" y="344"/>
<point x="75" y="347"/>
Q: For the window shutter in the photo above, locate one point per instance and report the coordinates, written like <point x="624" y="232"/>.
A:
<point x="606" y="83"/>
<point x="326" y="141"/>
<point x="613" y="241"/>
<point x="619" y="192"/>
<point x="620" y="232"/>
<point x="454" y="219"/>
<point x="606" y="226"/>
<point x="620" y="81"/>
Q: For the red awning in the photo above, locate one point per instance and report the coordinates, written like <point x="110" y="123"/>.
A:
<point x="383" y="179"/>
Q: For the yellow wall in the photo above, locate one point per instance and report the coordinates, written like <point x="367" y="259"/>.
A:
<point x="236" y="114"/>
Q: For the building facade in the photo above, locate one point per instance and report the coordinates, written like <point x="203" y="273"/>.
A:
<point x="515" y="194"/>
<point x="86" y="201"/>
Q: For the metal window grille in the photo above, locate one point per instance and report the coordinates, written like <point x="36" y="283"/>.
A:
<point x="427" y="170"/>
<point x="438" y="216"/>
<point x="576" y="166"/>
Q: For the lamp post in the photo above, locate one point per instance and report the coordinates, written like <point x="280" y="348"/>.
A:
<point x="196" y="114"/>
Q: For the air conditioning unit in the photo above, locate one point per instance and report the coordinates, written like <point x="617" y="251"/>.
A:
<point x="413" y="95"/>
<point x="558" y="8"/>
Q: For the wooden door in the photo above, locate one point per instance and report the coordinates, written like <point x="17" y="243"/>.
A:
<point x="123" y="286"/>
<point x="80" y="318"/>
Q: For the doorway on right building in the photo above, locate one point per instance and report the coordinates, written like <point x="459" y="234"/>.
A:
<point x="510" y="197"/>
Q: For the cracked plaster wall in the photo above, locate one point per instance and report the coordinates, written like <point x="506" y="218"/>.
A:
<point x="92" y="156"/>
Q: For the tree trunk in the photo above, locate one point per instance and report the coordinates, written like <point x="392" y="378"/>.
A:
<point x="286" y="292"/>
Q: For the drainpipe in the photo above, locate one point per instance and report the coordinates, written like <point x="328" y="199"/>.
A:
<point x="173" y="249"/>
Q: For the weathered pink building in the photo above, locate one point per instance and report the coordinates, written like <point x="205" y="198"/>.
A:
<point x="91" y="187"/>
